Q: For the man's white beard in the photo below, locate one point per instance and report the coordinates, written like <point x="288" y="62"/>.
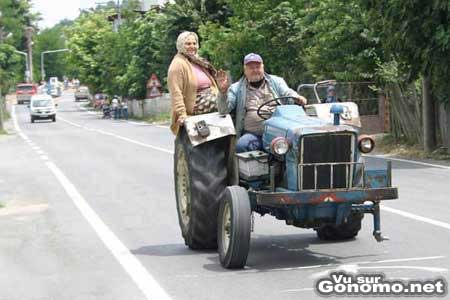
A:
<point x="255" y="79"/>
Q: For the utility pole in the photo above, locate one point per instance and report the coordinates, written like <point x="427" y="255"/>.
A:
<point x="27" y="67"/>
<point x="29" y="34"/>
<point x="119" y="15"/>
<point x="428" y="116"/>
<point x="1" y="108"/>
<point x="116" y="21"/>
<point x="42" y="60"/>
<point x="1" y="80"/>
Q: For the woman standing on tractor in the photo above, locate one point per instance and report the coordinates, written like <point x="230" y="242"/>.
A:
<point x="192" y="82"/>
<point x="200" y="172"/>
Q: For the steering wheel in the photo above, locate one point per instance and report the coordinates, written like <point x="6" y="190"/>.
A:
<point x="270" y="105"/>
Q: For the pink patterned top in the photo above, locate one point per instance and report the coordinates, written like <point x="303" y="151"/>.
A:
<point x="203" y="80"/>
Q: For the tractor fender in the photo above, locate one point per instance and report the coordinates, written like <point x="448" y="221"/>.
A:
<point x="219" y="125"/>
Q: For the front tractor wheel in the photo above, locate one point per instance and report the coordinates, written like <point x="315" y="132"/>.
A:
<point x="343" y="231"/>
<point x="234" y="228"/>
<point x="200" y="180"/>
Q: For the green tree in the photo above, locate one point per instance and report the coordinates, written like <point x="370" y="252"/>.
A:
<point x="14" y="16"/>
<point x="299" y="40"/>
<point x="417" y="34"/>
<point x="264" y="27"/>
<point x="8" y="70"/>
<point x="86" y="41"/>
<point x="55" y="64"/>
<point x="337" y="42"/>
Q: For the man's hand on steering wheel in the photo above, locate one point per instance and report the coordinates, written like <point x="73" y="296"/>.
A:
<point x="301" y="101"/>
<point x="266" y="109"/>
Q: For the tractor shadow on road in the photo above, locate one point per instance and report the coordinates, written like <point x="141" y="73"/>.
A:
<point x="267" y="252"/>
<point x="274" y="252"/>
<point x="169" y="250"/>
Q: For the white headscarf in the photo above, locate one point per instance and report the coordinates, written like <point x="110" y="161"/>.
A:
<point x="182" y="38"/>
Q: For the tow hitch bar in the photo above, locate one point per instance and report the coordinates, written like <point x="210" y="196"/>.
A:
<point x="374" y="209"/>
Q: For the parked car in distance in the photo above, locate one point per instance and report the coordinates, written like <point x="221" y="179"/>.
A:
<point x="82" y="92"/>
<point x="42" y="106"/>
<point x="24" y="92"/>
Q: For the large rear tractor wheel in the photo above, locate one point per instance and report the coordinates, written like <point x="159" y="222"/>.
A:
<point x="343" y="231"/>
<point x="234" y="228"/>
<point x="200" y="180"/>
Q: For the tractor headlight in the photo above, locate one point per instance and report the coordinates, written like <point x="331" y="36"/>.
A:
<point x="366" y="144"/>
<point x="280" y="145"/>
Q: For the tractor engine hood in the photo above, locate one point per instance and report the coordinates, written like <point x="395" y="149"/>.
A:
<point x="291" y="122"/>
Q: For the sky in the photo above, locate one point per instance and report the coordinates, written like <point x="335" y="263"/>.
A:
<point x="54" y="11"/>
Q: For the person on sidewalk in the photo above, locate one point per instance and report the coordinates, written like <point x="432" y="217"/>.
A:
<point x="125" y="110"/>
<point x="115" y="107"/>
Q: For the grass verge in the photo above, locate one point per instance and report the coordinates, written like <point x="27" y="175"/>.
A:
<point x="402" y="148"/>
<point x="160" y="118"/>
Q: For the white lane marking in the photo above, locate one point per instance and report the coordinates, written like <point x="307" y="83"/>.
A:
<point x="71" y="123"/>
<point x="148" y="285"/>
<point x="136" y="142"/>
<point x="40" y="152"/>
<point x="416" y="217"/>
<point x="250" y="270"/>
<point x="297" y="290"/>
<point x="119" y="137"/>
<point x="147" y="124"/>
<point x="408" y="161"/>
<point x="361" y="263"/>
<point x="143" y="279"/>
<point x="356" y="268"/>
<point x="44" y="157"/>
<point x="402" y="260"/>
<point x="353" y="268"/>
<point x="137" y="123"/>
<point x="420" y="268"/>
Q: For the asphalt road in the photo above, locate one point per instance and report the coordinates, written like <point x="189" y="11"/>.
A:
<point x="89" y="213"/>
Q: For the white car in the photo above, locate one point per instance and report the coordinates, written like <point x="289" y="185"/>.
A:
<point x="42" y="107"/>
<point x="55" y="87"/>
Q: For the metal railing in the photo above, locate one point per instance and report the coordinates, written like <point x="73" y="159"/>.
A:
<point x="348" y="174"/>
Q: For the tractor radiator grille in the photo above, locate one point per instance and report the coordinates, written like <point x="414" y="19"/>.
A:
<point x="329" y="152"/>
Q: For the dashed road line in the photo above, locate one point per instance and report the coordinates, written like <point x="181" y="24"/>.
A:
<point x="118" y="137"/>
<point x="143" y="279"/>
<point x="416" y="217"/>
<point x="408" y="161"/>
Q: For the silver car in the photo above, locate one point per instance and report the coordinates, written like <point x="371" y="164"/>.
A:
<point x="82" y="93"/>
<point x="42" y="107"/>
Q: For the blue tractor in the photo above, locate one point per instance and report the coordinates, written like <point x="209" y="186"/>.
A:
<point x="311" y="174"/>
